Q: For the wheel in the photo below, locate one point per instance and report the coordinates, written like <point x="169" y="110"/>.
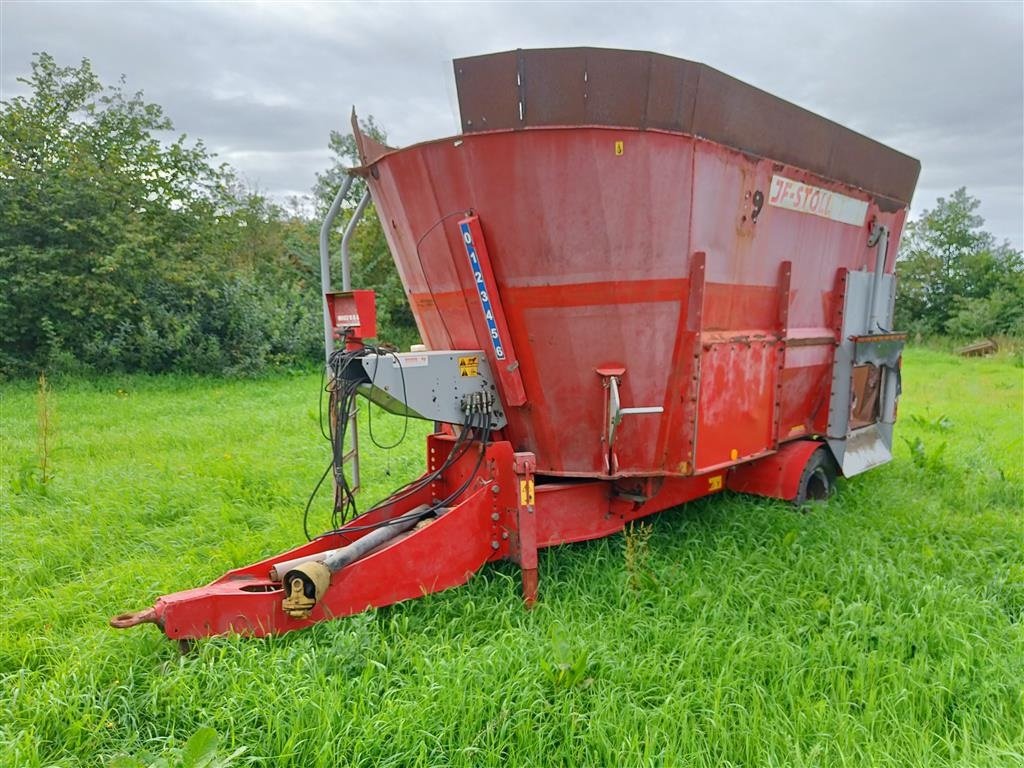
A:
<point x="818" y="481"/>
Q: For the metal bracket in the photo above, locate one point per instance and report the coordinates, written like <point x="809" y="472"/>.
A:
<point x="866" y="309"/>
<point x="443" y="386"/>
<point x="524" y="464"/>
<point x="879" y="239"/>
<point x="615" y="412"/>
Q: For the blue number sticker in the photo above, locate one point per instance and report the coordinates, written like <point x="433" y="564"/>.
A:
<point x="481" y="287"/>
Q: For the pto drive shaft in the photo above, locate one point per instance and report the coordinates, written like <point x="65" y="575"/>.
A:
<point x="306" y="583"/>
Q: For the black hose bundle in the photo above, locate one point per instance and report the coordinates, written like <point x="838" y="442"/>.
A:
<point x="342" y="389"/>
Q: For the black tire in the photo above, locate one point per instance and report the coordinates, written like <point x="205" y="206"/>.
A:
<point x="818" y="480"/>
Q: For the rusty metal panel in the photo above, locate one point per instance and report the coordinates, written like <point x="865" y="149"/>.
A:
<point x="615" y="88"/>
<point x="873" y="166"/>
<point x="733" y="113"/>
<point x="636" y="89"/>
<point x="671" y="93"/>
<point x="553" y="86"/>
<point x="488" y="91"/>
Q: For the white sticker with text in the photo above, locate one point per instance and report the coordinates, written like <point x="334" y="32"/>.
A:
<point x="796" y="196"/>
<point x="409" y="361"/>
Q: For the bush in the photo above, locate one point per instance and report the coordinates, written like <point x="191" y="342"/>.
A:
<point x="954" y="278"/>
<point x="1000" y="313"/>
<point x="119" y="252"/>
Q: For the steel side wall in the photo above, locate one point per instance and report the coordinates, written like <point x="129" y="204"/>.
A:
<point x="590" y="241"/>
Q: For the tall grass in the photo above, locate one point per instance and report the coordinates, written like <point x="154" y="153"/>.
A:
<point x="45" y="428"/>
<point x="885" y="628"/>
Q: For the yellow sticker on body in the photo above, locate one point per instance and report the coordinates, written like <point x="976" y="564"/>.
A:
<point x="526" y="493"/>
<point x="715" y="483"/>
<point x="469" y="366"/>
<point x="620" y="148"/>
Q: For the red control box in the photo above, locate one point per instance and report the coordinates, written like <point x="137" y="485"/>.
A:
<point x="353" y="314"/>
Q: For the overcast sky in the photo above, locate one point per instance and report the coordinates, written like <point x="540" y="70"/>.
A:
<point x="264" y="84"/>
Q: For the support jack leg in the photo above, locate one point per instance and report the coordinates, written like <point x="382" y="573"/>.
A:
<point x="524" y="465"/>
<point x="529" y="587"/>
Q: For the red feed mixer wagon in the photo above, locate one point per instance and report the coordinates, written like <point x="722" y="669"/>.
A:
<point x="638" y="282"/>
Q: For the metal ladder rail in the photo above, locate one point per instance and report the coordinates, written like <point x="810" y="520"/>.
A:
<point x="350" y="455"/>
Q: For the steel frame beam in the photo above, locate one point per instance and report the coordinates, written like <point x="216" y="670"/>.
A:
<point x="503" y="514"/>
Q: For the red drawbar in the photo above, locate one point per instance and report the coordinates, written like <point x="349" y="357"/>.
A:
<point x="501" y="515"/>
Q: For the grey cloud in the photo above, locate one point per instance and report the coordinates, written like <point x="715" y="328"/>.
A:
<point x="263" y="85"/>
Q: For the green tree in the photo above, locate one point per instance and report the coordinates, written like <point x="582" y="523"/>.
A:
<point x="85" y="193"/>
<point x="955" y="278"/>
<point x="119" y="250"/>
<point x="372" y="265"/>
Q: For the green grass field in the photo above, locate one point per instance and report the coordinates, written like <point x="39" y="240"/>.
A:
<point x="885" y="628"/>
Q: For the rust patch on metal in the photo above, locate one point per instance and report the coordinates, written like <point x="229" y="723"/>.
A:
<point x="812" y="341"/>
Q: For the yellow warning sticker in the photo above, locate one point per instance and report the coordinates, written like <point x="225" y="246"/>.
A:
<point x="620" y="148"/>
<point x="526" y="493"/>
<point x="469" y="366"/>
<point x="715" y="483"/>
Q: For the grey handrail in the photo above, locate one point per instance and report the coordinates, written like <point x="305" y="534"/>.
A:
<point x="879" y="238"/>
<point x="325" y="262"/>
<point x="346" y="258"/>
